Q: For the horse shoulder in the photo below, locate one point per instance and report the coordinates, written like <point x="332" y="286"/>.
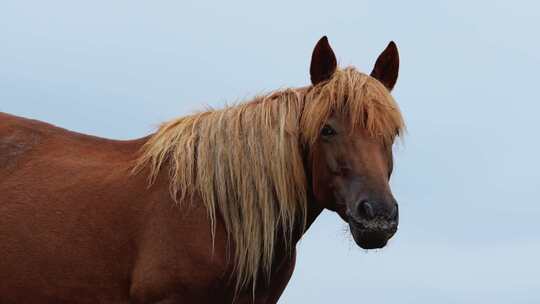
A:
<point x="177" y="258"/>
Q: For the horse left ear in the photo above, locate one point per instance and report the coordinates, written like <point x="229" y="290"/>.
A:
<point x="387" y="66"/>
<point x="323" y="62"/>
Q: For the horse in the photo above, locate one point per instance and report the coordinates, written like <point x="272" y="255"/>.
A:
<point x="210" y="207"/>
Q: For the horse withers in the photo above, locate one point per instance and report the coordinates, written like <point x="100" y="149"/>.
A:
<point x="210" y="207"/>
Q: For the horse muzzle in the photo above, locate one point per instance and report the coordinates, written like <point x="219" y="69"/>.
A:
<point x="372" y="227"/>
<point x="373" y="235"/>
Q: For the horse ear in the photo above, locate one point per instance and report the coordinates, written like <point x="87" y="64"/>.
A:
<point x="387" y="66"/>
<point x="323" y="62"/>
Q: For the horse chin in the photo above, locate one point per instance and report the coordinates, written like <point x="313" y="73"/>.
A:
<point x="370" y="238"/>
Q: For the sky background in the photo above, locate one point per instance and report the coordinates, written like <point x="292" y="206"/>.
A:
<point x="466" y="176"/>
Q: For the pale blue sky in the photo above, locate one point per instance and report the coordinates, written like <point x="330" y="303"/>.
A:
<point x="466" y="177"/>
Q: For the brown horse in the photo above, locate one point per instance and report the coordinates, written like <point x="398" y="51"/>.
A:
<point x="210" y="207"/>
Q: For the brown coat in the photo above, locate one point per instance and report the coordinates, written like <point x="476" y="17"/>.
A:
<point x="77" y="227"/>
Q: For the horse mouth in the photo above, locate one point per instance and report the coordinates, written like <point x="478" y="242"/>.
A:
<point x="373" y="234"/>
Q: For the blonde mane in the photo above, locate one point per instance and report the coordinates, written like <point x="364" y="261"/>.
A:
<point x="246" y="161"/>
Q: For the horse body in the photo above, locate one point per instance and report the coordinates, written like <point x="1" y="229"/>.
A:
<point x="209" y="208"/>
<point x="76" y="226"/>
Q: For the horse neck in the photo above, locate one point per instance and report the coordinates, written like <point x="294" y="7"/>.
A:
<point x="313" y="211"/>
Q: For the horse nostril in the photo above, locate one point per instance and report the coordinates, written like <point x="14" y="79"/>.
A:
<point x="365" y="210"/>
<point x="395" y="213"/>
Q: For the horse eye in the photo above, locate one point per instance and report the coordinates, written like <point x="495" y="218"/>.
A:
<point x="328" y="131"/>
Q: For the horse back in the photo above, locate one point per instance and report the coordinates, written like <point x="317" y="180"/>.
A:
<point x="22" y="139"/>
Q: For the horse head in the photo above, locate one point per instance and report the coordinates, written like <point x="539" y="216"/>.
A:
<point x="350" y="160"/>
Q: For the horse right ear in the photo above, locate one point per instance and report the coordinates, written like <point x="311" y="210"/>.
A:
<point x="323" y="62"/>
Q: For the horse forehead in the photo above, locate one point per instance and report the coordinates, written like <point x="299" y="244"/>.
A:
<point x="358" y="146"/>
